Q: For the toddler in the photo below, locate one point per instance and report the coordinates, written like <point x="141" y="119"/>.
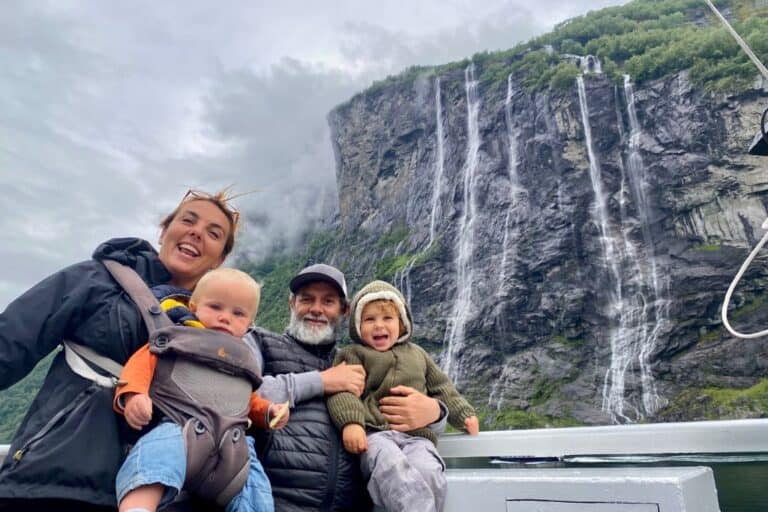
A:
<point x="404" y="470"/>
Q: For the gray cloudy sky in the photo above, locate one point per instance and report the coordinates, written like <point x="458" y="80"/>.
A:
<point x="109" y="111"/>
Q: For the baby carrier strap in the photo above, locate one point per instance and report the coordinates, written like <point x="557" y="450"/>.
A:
<point x="139" y="292"/>
<point x="82" y="359"/>
<point x="203" y="381"/>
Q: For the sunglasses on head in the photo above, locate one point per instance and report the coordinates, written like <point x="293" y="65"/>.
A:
<point x="220" y="199"/>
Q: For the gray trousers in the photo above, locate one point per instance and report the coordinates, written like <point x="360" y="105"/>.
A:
<point x="404" y="472"/>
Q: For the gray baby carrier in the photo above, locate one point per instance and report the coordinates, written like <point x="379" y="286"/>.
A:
<point x="203" y="381"/>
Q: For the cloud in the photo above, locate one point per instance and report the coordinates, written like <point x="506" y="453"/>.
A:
<point x="111" y="111"/>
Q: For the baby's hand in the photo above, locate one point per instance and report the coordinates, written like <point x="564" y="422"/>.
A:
<point x="472" y="425"/>
<point x="278" y="414"/>
<point x="138" y="410"/>
<point x="354" y="437"/>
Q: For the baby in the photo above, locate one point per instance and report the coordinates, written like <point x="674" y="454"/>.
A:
<point x="224" y="300"/>
<point x="404" y="469"/>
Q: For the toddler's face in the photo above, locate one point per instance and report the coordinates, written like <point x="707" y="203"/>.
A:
<point x="225" y="306"/>
<point x="380" y="325"/>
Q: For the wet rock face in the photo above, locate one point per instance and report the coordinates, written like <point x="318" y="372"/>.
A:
<point x="598" y="313"/>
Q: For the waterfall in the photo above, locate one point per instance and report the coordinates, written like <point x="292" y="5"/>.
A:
<point x="496" y="396"/>
<point x="439" y="164"/>
<point x="514" y="185"/>
<point x="635" y="309"/>
<point x="402" y="278"/>
<point x="639" y="184"/>
<point x="620" y="339"/>
<point x="590" y="64"/>
<point x="465" y="239"/>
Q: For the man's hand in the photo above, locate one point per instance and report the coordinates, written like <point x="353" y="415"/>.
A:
<point x="343" y="377"/>
<point x="472" y="425"/>
<point x="354" y="438"/>
<point x="406" y="409"/>
<point x="138" y="410"/>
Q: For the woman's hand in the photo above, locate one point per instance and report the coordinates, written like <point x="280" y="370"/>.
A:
<point x="355" y="440"/>
<point x="138" y="410"/>
<point x="406" y="409"/>
<point x="278" y="415"/>
<point x="472" y="425"/>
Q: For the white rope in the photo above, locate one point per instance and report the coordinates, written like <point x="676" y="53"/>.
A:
<point x="742" y="43"/>
<point x="733" y="287"/>
<point x="764" y="71"/>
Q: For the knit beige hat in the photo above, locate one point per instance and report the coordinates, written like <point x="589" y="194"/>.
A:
<point x="378" y="290"/>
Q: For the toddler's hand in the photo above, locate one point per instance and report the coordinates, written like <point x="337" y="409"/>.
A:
<point x="354" y="437"/>
<point x="138" y="410"/>
<point x="472" y="425"/>
<point x="278" y="414"/>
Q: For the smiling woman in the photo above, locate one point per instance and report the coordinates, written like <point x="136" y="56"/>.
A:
<point x="195" y="238"/>
<point x="68" y="448"/>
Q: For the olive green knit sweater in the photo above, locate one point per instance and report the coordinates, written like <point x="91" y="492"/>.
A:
<point x="404" y="364"/>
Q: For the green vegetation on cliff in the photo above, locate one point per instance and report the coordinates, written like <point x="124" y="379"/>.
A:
<point x="653" y="39"/>
<point x="15" y="400"/>
<point x="510" y="418"/>
<point x="275" y="272"/>
<point x="646" y="39"/>
<point x="715" y="403"/>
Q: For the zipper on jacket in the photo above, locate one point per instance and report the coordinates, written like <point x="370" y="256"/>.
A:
<point x="75" y="404"/>
<point x="333" y="468"/>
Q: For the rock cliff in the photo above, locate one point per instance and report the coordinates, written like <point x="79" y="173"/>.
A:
<point x="565" y="252"/>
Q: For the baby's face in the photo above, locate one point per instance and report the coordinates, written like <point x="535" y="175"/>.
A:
<point x="224" y="306"/>
<point x="380" y="325"/>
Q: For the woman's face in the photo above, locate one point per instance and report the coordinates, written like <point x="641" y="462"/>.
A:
<point x="193" y="242"/>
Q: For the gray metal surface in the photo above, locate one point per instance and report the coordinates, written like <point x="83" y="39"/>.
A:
<point x="617" y="489"/>
<point x="733" y="436"/>
<point x="679" y="489"/>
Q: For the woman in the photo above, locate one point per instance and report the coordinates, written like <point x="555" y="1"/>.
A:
<point x="68" y="448"/>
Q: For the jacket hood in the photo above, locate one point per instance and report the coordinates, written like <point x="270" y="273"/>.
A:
<point x="379" y="290"/>
<point x="137" y="254"/>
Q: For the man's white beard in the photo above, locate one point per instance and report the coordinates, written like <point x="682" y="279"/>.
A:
<point x="310" y="334"/>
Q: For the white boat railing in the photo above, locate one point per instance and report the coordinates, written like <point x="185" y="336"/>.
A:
<point x="699" y="437"/>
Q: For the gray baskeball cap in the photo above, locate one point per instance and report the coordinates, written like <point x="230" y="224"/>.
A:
<point x="320" y="272"/>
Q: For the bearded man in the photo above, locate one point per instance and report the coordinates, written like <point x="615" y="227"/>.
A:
<point x="306" y="462"/>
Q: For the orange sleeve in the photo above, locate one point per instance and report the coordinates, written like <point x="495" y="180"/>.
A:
<point x="259" y="411"/>
<point x="136" y="376"/>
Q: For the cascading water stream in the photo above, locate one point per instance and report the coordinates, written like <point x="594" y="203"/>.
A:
<point x="402" y="277"/>
<point x="620" y="338"/>
<point x="639" y="185"/>
<point x="437" y="183"/>
<point x="496" y="396"/>
<point x="635" y="309"/>
<point x="465" y="239"/>
<point x="515" y="189"/>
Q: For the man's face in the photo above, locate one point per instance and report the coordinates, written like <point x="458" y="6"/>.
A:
<point x="316" y="311"/>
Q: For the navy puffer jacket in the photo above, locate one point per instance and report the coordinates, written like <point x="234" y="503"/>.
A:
<point x="71" y="444"/>
<point x="306" y="462"/>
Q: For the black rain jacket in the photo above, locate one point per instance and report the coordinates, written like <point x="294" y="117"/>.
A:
<point x="70" y="444"/>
